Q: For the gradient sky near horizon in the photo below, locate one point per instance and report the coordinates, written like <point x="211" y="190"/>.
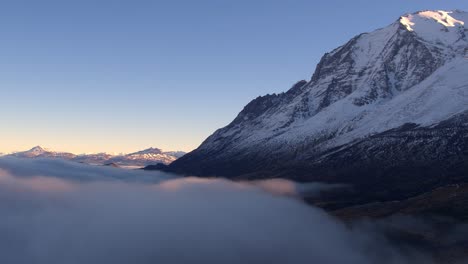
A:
<point x="120" y="76"/>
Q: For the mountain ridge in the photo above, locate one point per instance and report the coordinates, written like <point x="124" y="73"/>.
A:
<point x="150" y="156"/>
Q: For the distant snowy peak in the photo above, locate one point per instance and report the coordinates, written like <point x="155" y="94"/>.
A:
<point x="150" y="156"/>
<point x="156" y="153"/>
<point x="148" y="151"/>
<point x="445" y="28"/>
<point x="39" y="151"/>
<point x="147" y="157"/>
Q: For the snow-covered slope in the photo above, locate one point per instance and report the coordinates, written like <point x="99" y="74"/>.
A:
<point x="413" y="71"/>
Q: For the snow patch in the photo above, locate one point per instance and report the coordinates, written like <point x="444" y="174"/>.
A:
<point x="437" y="27"/>
<point x="406" y="21"/>
<point x="441" y="17"/>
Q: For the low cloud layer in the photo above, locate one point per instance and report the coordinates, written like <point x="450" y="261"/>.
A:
<point x="59" y="212"/>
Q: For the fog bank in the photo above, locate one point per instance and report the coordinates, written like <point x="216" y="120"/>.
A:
<point x="58" y="212"/>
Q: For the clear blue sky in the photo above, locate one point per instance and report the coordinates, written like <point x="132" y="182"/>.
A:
<point x="118" y="76"/>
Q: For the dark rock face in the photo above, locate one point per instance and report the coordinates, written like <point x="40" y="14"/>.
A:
<point x="112" y="165"/>
<point x="159" y="166"/>
<point x="399" y="163"/>
<point x="268" y="103"/>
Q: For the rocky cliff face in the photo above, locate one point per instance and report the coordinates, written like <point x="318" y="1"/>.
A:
<point x="385" y="102"/>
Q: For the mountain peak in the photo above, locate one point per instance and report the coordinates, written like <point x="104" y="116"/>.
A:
<point x="37" y="149"/>
<point x="439" y="27"/>
<point x="149" y="151"/>
<point x="441" y="17"/>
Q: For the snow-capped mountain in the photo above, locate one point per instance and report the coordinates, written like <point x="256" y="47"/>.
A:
<point x="407" y="78"/>
<point x="40" y="152"/>
<point x="142" y="158"/>
<point x="145" y="157"/>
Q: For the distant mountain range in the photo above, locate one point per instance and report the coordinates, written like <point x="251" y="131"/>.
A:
<point x="151" y="156"/>
<point x="387" y="112"/>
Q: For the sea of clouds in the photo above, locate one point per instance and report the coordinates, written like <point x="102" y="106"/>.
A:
<point x="58" y="212"/>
